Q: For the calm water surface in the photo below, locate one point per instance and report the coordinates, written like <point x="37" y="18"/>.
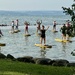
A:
<point x="18" y="45"/>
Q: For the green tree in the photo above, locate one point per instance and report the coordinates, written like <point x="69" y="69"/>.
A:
<point x="71" y="11"/>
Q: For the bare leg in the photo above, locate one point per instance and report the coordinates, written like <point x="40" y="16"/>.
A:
<point x="62" y="36"/>
<point x="44" y="41"/>
<point x="27" y="31"/>
<point x="12" y="28"/>
<point x="37" y="30"/>
<point x="67" y="37"/>
<point x="41" y="40"/>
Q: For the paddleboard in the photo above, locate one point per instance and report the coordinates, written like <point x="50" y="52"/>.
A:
<point x="43" y="46"/>
<point x="60" y="40"/>
<point x="2" y="44"/>
<point x="38" y="34"/>
<point x="11" y="32"/>
<point x="16" y="30"/>
<point x="27" y="35"/>
<point x="54" y="31"/>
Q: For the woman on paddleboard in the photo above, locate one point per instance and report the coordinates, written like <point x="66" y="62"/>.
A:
<point x="54" y="25"/>
<point x="12" y="25"/>
<point x="38" y="27"/>
<point x="63" y="31"/>
<point x="26" y="27"/>
<point x="43" y="36"/>
<point x="17" y="24"/>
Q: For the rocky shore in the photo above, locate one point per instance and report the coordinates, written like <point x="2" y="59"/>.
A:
<point x="42" y="61"/>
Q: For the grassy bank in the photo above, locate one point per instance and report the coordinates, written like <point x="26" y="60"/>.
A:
<point x="8" y="67"/>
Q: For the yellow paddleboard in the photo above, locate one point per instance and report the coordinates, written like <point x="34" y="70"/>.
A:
<point x="38" y="34"/>
<point x="43" y="46"/>
<point x="27" y="35"/>
<point x="2" y="44"/>
<point x="54" y="31"/>
<point x="60" y="40"/>
<point x="15" y="31"/>
<point x="11" y="32"/>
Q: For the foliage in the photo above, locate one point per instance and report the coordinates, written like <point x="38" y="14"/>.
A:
<point x="71" y="12"/>
<point x="68" y="11"/>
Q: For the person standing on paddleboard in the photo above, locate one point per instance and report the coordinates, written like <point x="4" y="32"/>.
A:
<point x="12" y="25"/>
<point x="63" y="31"/>
<point x="17" y="24"/>
<point x="38" y="27"/>
<point x="43" y="36"/>
<point x="26" y="27"/>
<point x="68" y="31"/>
<point x="54" y="25"/>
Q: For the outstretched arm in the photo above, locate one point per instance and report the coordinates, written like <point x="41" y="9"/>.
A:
<point x="47" y="28"/>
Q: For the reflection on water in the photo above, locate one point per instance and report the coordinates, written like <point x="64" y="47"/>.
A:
<point x="26" y="40"/>
<point x="63" y="46"/>
<point x="43" y="52"/>
<point x="19" y="45"/>
<point x="65" y="50"/>
<point x="61" y="50"/>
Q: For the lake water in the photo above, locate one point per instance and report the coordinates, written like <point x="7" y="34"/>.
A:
<point x="18" y="45"/>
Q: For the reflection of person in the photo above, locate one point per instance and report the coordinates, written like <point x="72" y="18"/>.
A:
<point x="17" y="24"/>
<point x="1" y="34"/>
<point x="54" y="25"/>
<point x="43" y="37"/>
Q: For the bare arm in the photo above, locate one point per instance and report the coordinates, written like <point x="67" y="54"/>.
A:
<point x="47" y="28"/>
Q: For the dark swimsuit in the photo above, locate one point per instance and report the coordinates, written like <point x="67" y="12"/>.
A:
<point x="26" y="27"/>
<point x="43" y="33"/>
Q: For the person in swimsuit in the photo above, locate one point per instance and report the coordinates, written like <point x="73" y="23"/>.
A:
<point x="68" y="33"/>
<point x="63" y="31"/>
<point x="17" y="24"/>
<point x="26" y="27"/>
<point x="54" y="25"/>
<point x="12" y="25"/>
<point x="38" y="23"/>
<point x="43" y="36"/>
